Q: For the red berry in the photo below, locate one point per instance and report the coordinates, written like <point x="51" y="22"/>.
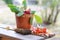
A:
<point x="44" y="30"/>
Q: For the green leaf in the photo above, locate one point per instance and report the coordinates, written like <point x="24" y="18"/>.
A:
<point x="33" y="12"/>
<point x="8" y="1"/>
<point x="24" y="4"/>
<point x="38" y="19"/>
<point x="13" y="8"/>
<point x="19" y="14"/>
<point x="31" y="20"/>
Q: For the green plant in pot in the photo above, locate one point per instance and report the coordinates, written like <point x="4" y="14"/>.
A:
<point x="53" y="5"/>
<point x="23" y="17"/>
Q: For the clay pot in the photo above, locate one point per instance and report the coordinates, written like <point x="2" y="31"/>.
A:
<point x="23" y="21"/>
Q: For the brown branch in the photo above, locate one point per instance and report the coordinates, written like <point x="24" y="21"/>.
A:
<point x="49" y="18"/>
<point x="56" y="15"/>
